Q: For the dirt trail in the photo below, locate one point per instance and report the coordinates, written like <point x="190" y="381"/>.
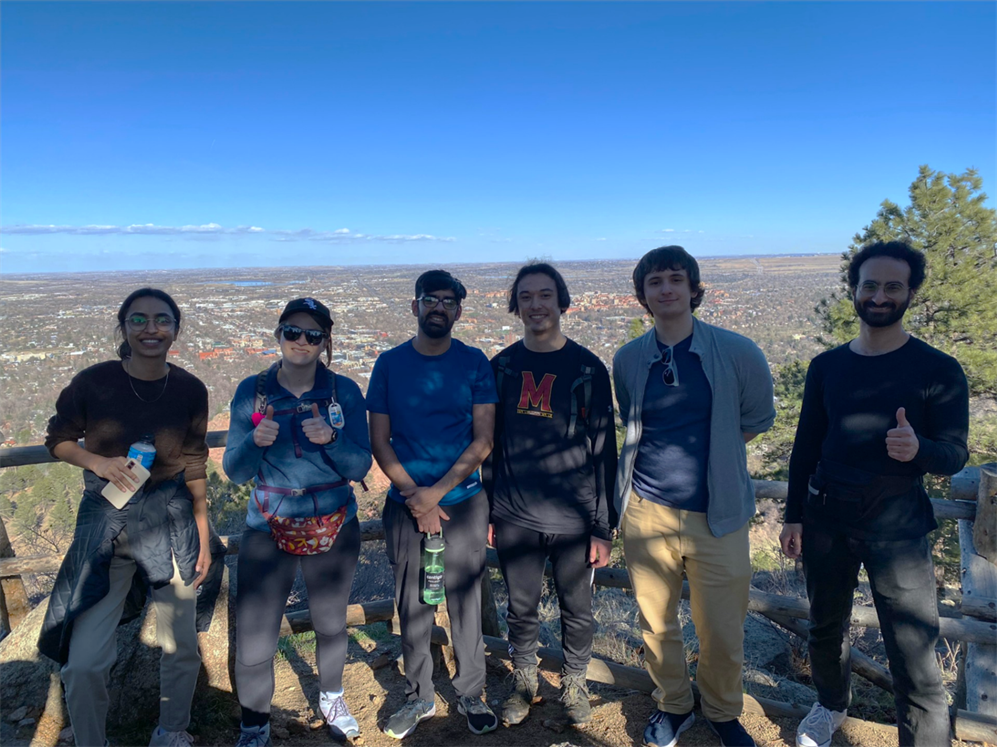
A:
<point x="618" y="718"/>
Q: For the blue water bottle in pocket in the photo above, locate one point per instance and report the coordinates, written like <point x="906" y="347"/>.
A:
<point x="143" y="451"/>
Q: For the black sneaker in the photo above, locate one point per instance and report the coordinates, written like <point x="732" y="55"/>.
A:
<point x="480" y="718"/>
<point x="409" y="716"/>
<point x="731" y="733"/>
<point x="663" y="728"/>
<point x="575" y="698"/>
<point x="516" y="707"/>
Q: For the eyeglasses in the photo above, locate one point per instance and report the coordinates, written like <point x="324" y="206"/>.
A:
<point x="141" y="321"/>
<point x="670" y="376"/>
<point x="292" y="333"/>
<point x="430" y="302"/>
<point x="893" y="290"/>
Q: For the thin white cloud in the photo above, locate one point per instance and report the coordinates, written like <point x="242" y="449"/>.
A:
<point x="668" y="230"/>
<point x="213" y="230"/>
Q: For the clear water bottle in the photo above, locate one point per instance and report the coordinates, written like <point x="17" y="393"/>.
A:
<point x="433" y="591"/>
<point x="143" y="451"/>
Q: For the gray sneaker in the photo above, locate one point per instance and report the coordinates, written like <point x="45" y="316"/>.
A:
<point x="480" y="718"/>
<point x="409" y="716"/>
<point x="254" y="736"/>
<point x="819" y="725"/>
<point x="575" y="698"/>
<point x="516" y="707"/>
<point x="162" y="738"/>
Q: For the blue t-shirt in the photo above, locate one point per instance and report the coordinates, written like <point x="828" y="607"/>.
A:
<point x="674" y="448"/>
<point x="429" y="399"/>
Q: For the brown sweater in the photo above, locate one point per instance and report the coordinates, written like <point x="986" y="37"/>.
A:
<point x="99" y="405"/>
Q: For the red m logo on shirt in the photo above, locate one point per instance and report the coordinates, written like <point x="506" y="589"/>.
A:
<point x="536" y="396"/>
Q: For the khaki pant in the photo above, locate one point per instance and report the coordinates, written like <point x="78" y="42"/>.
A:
<point x="660" y="542"/>
<point x="93" y="649"/>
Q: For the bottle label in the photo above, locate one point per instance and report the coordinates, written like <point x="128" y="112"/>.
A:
<point x="142" y="456"/>
<point x="434" y="580"/>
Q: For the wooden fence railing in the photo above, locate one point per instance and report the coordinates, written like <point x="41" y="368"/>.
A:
<point x="972" y="501"/>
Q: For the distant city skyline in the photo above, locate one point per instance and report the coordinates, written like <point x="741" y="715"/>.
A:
<point x="229" y="135"/>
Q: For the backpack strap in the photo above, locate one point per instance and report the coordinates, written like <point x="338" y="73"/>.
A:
<point x="581" y="400"/>
<point x="504" y="373"/>
<point x="260" y="400"/>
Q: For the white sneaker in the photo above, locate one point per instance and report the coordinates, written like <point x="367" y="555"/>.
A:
<point x="162" y="738"/>
<point x="816" y="729"/>
<point x="337" y="715"/>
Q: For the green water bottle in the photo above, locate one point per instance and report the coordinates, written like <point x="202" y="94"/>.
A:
<point x="433" y="591"/>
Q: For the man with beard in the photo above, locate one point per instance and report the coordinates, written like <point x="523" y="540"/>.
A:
<point x="878" y="414"/>
<point x="432" y="412"/>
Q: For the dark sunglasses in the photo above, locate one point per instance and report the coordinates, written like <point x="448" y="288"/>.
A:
<point x="292" y="333"/>
<point x="671" y="373"/>
<point x="430" y="302"/>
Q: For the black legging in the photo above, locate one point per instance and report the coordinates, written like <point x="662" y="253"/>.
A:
<point x="266" y="575"/>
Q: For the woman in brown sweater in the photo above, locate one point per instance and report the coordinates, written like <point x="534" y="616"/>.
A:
<point x="158" y="539"/>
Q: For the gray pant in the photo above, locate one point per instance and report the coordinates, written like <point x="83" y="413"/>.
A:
<point x="903" y="589"/>
<point x="93" y="649"/>
<point x="465" y="536"/>
<point x="266" y="575"/>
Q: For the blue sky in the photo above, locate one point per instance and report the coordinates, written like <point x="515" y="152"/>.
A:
<point x="145" y="135"/>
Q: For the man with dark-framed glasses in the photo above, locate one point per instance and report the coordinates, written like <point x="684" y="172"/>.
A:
<point x="878" y="414"/>
<point x="432" y="413"/>
<point x="691" y="396"/>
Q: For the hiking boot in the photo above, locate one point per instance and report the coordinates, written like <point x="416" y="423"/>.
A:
<point x="731" y="733"/>
<point x="816" y="729"/>
<point x="254" y="736"/>
<point x="409" y="716"/>
<point x="162" y="738"/>
<point x="663" y="729"/>
<point x="575" y="698"/>
<point x="341" y="723"/>
<point x="480" y="718"/>
<point x="524" y="689"/>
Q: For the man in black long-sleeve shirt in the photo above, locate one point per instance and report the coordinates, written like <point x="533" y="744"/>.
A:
<point x="550" y="479"/>
<point x="878" y="414"/>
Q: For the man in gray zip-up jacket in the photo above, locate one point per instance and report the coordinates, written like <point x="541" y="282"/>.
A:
<point x="691" y="396"/>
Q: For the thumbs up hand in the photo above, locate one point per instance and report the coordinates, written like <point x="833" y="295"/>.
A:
<point x="901" y="442"/>
<point x="266" y="430"/>
<point x="316" y="429"/>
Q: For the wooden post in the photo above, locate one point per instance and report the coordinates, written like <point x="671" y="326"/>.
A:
<point x="13" y="599"/>
<point x="979" y="594"/>
<point x="985" y="526"/>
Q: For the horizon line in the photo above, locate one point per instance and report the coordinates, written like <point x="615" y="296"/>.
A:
<point x="10" y="275"/>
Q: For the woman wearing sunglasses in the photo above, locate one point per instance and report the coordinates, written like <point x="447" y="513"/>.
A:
<point x="300" y="431"/>
<point x="158" y="539"/>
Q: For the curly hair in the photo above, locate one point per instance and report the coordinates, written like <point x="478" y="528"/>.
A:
<point x="895" y="250"/>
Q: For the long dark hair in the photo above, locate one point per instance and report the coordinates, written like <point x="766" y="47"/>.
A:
<point x="124" y="349"/>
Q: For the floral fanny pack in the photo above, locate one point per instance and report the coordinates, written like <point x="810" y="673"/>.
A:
<point x="301" y="535"/>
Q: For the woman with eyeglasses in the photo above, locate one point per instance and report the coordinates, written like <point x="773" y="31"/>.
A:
<point x="158" y="539"/>
<point x="300" y="431"/>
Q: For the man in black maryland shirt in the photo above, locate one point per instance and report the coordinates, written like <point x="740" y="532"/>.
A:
<point x="878" y="414"/>
<point x="550" y="480"/>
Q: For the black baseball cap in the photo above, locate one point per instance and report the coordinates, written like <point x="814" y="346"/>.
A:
<point x="315" y="309"/>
